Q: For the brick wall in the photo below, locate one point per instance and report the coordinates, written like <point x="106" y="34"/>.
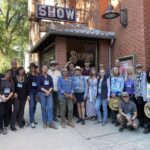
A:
<point x="61" y="50"/>
<point x="129" y="40"/>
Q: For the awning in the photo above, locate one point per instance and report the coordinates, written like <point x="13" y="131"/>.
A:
<point x="85" y="33"/>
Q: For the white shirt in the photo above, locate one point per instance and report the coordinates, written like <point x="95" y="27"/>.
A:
<point x="55" y="75"/>
<point x="148" y="91"/>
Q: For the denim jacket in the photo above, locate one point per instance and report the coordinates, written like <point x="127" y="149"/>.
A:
<point x="117" y="85"/>
<point x="65" y="86"/>
<point x="80" y="84"/>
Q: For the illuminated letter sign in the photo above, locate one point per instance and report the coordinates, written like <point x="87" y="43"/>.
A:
<point x="55" y="13"/>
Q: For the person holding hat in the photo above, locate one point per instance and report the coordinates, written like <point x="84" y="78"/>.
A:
<point x="32" y="85"/>
<point x="66" y="97"/>
<point x="117" y="86"/>
<point x="55" y="74"/>
<point x="140" y="92"/>
<point x="127" y="116"/>
<point x="103" y="96"/>
<point x="80" y="88"/>
<point x="147" y="106"/>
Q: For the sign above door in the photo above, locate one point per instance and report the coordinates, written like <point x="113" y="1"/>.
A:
<point x="48" y="12"/>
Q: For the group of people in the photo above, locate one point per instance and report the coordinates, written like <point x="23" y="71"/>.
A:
<point x="75" y="90"/>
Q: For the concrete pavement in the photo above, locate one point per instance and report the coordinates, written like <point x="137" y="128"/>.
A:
<point x="88" y="137"/>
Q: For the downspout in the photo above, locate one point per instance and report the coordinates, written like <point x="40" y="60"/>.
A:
<point x="110" y="52"/>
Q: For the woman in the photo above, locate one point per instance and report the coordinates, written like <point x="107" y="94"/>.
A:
<point x="103" y="96"/>
<point x="45" y="87"/>
<point x="117" y="86"/>
<point x="32" y="84"/>
<point x="140" y="93"/>
<point x="92" y="94"/>
<point x="129" y="83"/>
<point x="6" y="93"/>
<point x="65" y="92"/>
<point x="80" y="87"/>
<point x="20" y="96"/>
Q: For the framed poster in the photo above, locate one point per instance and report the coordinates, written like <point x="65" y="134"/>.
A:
<point x="125" y="62"/>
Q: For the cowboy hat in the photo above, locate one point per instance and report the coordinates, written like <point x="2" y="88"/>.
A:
<point x="114" y="103"/>
<point x="147" y="109"/>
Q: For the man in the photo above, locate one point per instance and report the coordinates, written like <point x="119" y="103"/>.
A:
<point x="127" y="116"/>
<point x="55" y="74"/>
<point x="13" y="68"/>
<point x="140" y="93"/>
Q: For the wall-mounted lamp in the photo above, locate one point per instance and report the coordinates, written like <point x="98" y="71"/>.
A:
<point x="112" y="14"/>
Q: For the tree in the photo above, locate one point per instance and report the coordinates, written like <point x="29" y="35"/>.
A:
<point x="13" y="31"/>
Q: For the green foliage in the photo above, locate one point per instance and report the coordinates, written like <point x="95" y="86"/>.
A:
<point x="13" y="31"/>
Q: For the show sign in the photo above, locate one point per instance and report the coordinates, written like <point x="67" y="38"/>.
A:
<point x="55" y="13"/>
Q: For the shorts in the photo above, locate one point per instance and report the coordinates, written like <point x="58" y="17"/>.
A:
<point x="79" y="97"/>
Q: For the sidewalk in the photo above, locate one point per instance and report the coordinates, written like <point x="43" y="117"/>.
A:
<point x="88" y="137"/>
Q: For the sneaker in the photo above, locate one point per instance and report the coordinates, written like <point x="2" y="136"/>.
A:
<point x="97" y="122"/>
<point x="122" y="128"/>
<point x="104" y="123"/>
<point x="44" y="125"/>
<point x="83" y="122"/>
<point x="79" y="120"/>
<point x="4" y="131"/>
<point x="35" y="122"/>
<point x="53" y="126"/>
<point x="32" y="125"/>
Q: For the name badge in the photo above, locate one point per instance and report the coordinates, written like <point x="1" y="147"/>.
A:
<point x="46" y="82"/>
<point x="7" y="90"/>
<point x="19" y="85"/>
<point x="129" y="85"/>
<point x="34" y="84"/>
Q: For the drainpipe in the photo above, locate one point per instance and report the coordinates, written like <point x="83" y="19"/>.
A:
<point x="110" y="52"/>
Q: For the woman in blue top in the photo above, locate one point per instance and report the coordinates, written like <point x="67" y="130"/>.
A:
<point x="129" y="83"/>
<point x="45" y="87"/>
<point x="65" y="92"/>
<point x="117" y="86"/>
<point x="80" y="88"/>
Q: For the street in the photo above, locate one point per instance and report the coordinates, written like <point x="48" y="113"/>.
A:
<point x="88" y="137"/>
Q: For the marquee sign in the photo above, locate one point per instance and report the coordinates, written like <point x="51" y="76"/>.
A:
<point x="55" y="13"/>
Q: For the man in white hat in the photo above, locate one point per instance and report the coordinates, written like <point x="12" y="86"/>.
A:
<point x="55" y="74"/>
<point x="127" y="116"/>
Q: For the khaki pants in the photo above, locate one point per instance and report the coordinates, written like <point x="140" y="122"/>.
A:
<point x="63" y="102"/>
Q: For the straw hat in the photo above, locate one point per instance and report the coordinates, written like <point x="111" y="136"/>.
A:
<point x="77" y="68"/>
<point x="114" y="103"/>
<point x="147" y="109"/>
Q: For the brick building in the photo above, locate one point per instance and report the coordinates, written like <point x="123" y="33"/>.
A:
<point x="92" y="37"/>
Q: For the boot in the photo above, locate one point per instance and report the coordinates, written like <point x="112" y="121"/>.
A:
<point x="70" y="124"/>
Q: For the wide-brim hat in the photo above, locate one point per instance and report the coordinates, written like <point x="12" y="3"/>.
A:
<point x="53" y="62"/>
<point x="147" y="109"/>
<point x="33" y="65"/>
<point x="114" y="103"/>
<point x="77" y="68"/>
<point x="139" y="66"/>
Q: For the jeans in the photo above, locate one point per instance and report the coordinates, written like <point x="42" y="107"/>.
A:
<point x="98" y="104"/>
<point x="32" y="106"/>
<point x="46" y="107"/>
<point x="63" y="101"/>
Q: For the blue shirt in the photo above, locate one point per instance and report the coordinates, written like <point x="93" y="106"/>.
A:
<point x="129" y="86"/>
<point x="44" y="82"/>
<point x="80" y="85"/>
<point x="65" y="86"/>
